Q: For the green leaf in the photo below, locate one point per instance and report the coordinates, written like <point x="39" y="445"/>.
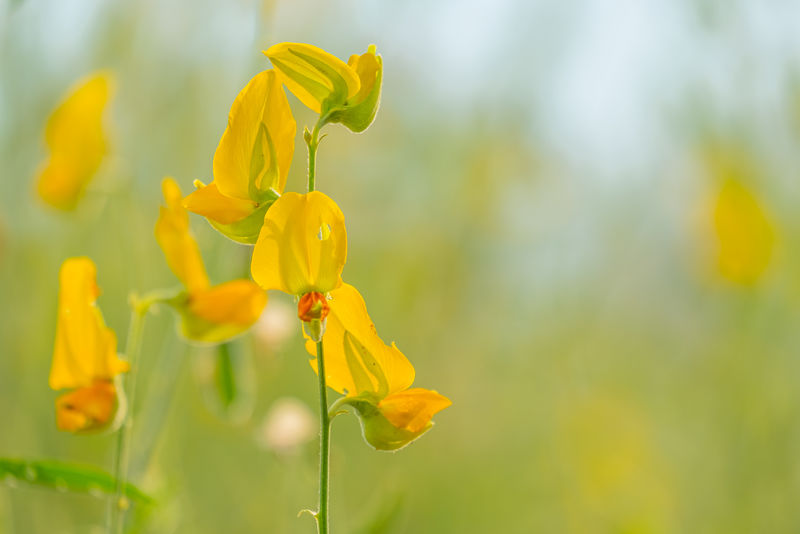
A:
<point x="66" y="477"/>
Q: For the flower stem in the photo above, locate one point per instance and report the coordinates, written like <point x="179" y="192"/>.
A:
<point x="118" y="504"/>
<point x="324" y="444"/>
<point x="312" y="141"/>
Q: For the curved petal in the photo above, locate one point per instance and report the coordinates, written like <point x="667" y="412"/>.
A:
<point x="85" y="348"/>
<point x="302" y="246"/>
<point x="313" y="75"/>
<point x="413" y="409"/>
<point x="359" y="111"/>
<point x="176" y="240"/>
<point x="207" y="201"/>
<point x="87" y="408"/>
<point x="238" y="302"/>
<point x="255" y="151"/>
<point x="357" y="361"/>
<point x="76" y="141"/>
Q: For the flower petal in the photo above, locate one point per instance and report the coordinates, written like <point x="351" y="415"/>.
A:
<point x="87" y="408"/>
<point x="238" y="302"/>
<point x="77" y="143"/>
<point x="357" y="361"/>
<point x="359" y="111"/>
<point x="255" y="151"/>
<point x="85" y="349"/>
<point x="176" y="240"/>
<point x="413" y="409"/>
<point x="210" y="203"/>
<point x="302" y="246"/>
<point x="313" y="75"/>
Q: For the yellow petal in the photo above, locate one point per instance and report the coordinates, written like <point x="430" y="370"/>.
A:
<point x="176" y="240"/>
<point x="210" y="203"/>
<point x="385" y="368"/>
<point x="312" y="74"/>
<point x="745" y="234"/>
<point x="413" y="409"/>
<point x="76" y="142"/>
<point x="238" y="302"/>
<point x="255" y="152"/>
<point x="87" y="408"/>
<point x="85" y="349"/>
<point x="302" y="246"/>
<point x="369" y="67"/>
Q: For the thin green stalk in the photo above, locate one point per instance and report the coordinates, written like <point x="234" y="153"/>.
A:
<point x="312" y="140"/>
<point x="324" y="444"/>
<point x="118" y="504"/>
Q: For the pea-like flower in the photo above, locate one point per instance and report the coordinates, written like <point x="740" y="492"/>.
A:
<point x="374" y="377"/>
<point x="209" y="314"/>
<point x="348" y="93"/>
<point x="85" y="358"/>
<point x="76" y="142"/>
<point x="251" y="162"/>
<point x="301" y="250"/>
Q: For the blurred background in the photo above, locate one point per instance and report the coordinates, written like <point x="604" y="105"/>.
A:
<point x="577" y="219"/>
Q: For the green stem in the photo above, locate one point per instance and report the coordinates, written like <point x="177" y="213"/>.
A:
<point x="312" y="141"/>
<point x="324" y="444"/>
<point x="119" y="502"/>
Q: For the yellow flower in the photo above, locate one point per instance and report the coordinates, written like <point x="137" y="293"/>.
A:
<point x="209" y="314"/>
<point x="251" y="162"/>
<point x="76" y="141"/>
<point x="85" y="357"/>
<point x="348" y="93"/>
<point x="375" y="377"/>
<point x="745" y="235"/>
<point x="302" y="246"/>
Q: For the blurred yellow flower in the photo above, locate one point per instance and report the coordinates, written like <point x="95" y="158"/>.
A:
<point x="348" y="93"/>
<point x="251" y="162"/>
<point x="375" y="377"/>
<point x="209" y="314"/>
<point x="76" y="142"/>
<point x="745" y="235"/>
<point x="302" y="247"/>
<point x="85" y="357"/>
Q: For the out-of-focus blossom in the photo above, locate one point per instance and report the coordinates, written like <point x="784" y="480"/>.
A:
<point x="288" y="425"/>
<point x="251" y="162"/>
<point x="76" y="142"/>
<point x="276" y="325"/>
<point x="375" y="377"/>
<point x="210" y="314"/>
<point x="85" y="358"/>
<point x="745" y="235"/>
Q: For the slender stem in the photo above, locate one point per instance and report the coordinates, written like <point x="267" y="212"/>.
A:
<point x="324" y="444"/>
<point x="119" y="502"/>
<point x="312" y="140"/>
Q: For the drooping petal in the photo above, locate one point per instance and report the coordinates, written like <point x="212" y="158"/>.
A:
<point x="357" y="361"/>
<point x="313" y="75"/>
<point x="302" y="246"/>
<point x="177" y="242"/>
<point x="413" y="409"/>
<point x="255" y="151"/>
<point x="85" y="349"/>
<point x="86" y="408"/>
<point x="76" y="142"/>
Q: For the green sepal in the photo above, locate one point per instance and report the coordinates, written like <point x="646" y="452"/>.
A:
<point x="358" y="116"/>
<point x="246" y="230"/>
<point x="66" y="476"/>
<point x="377" y="430"/>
